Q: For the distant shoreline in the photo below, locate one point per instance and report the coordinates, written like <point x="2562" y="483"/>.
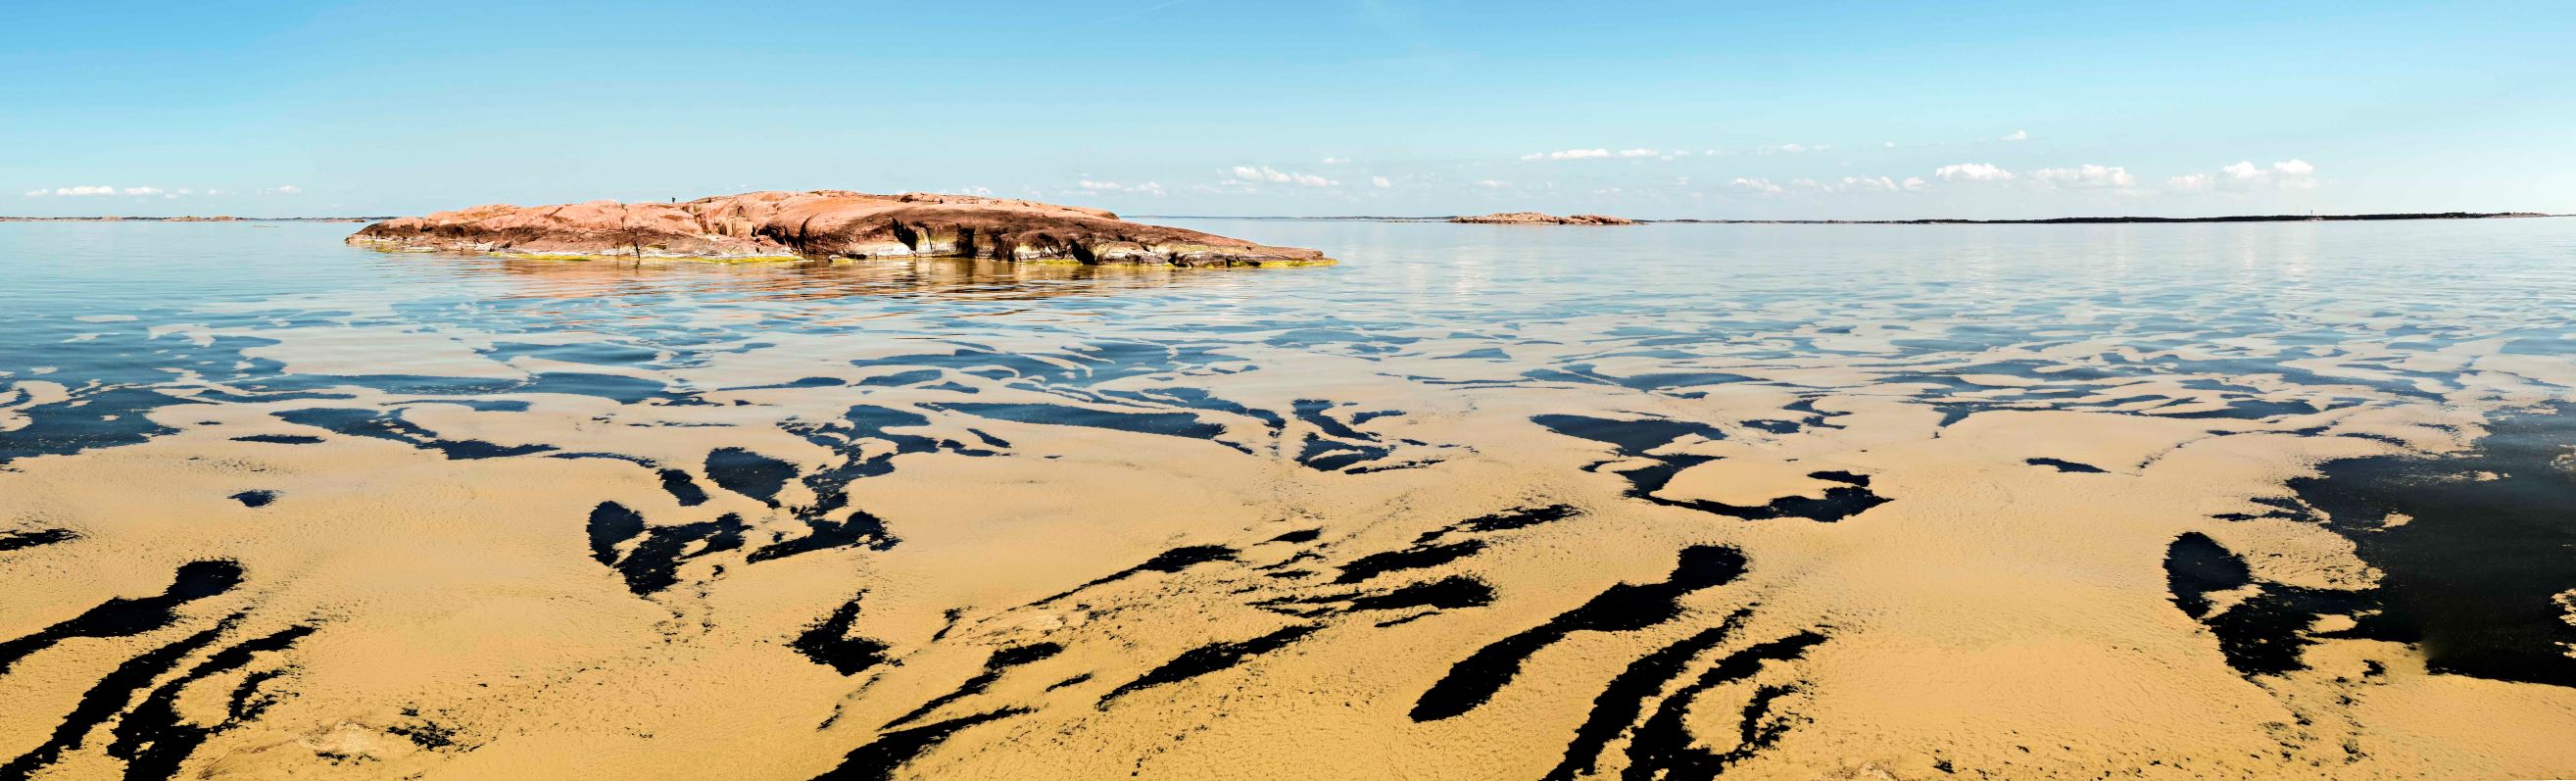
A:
<point x="194" y="219"/>
<point x="1683" y="221"/>
<point x="1939" y="221"/>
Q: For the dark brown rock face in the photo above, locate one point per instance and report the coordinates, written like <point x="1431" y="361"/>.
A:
<point x="821" y="224"/>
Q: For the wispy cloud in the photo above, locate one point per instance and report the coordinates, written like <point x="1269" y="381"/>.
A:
<point x="1599" y="153"/>
<point x="2017" y="135"/>
<point x="1762" y="186"/>
<point x="1494" y="184"/>
<point x="1877" y="184"/>
<point x="1380" y="181"/>
<point x="2291" y="174"/>
<point x="1569" y="154"/>
<point x="1972" y="172"/>
<point x="1148" y="188"/>
<point x="68" y="192"/>
<point x="2091" y="177"/>
<point x="1268" y="174"/>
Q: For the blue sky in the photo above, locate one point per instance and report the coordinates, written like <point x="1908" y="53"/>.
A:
<point x="1649" y="109"/>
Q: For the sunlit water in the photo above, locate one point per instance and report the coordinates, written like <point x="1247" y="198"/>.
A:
<point x="1433" y="357"/>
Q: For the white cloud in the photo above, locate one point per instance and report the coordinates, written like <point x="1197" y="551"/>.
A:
<point x="283" y="190"/>
<point x="39" y="192"/>
<point x="1380" y="181"/>
<point x="1972" y="172"/>
<point x="1494" y="184"/>
<point x="1638" y="153"/>
<point x="75" y="191"/>
<point x="2195" y="183"/>
<point x="1269" y="174"/>
<point x="1335" y="160"/>
<point x="2287" y="174"/>
<point x="2295" y="175"/>
<point x="2085" y="177"/>
<point x="1569" y="154"/>
<point x="2018" y="135"/>
<point x="1793" y="148"/>
<point x="1889" y="144"/>
<point x="142" y="191"/>
<point x="1867" y="184"/>
<point x="1606" y="191"/>
<point x="1148" y="188"/>
<point x="974" y="191"/>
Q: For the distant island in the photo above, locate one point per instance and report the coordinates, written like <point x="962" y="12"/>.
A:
<point x="1935" y="221"/>
<point x="1535" y="218"/>
<point x="2099" y="220"/>
<point x="824" y="224"/>
<point x="1525" y="218"/>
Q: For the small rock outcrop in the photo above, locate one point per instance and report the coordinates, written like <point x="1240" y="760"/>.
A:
<point x="1535" y="218"/>
<point x="823" y="224"/>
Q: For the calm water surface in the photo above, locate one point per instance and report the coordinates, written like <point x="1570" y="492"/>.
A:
<point x="2420" y="362"/>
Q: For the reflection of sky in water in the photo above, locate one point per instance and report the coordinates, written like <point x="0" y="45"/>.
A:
<point x="2227" y="276"/>
<point x="94" y="306"/>
<point x="1804" y="380"/>
<point x="1664" y="292"/>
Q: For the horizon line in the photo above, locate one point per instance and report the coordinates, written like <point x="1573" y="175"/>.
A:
<point x="2366" y="217"/>
<point x="1446" y="218"/>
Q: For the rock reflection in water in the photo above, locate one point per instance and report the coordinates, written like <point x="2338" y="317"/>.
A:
<point x="1669" y="501"/>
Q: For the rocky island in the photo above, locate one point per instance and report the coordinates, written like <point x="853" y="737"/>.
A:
<point x="1536" y="218"/>
<point x="823" y="224"/>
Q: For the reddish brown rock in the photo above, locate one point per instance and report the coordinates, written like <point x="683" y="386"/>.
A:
<point x="1535" y="218"/>
<point x="825" y="224"/>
